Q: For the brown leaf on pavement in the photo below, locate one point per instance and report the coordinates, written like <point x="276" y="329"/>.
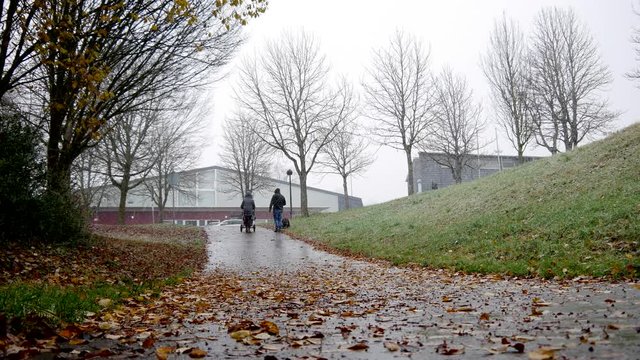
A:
<point x="148" y="342"/>
<point x="270" y="327"/>
<point x="197" y="353"/>
<point x="446" y="349"/>
<point x="162" y="353"/>
<point x="359" y="346"/>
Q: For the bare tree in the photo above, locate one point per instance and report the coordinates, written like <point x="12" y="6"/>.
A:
<point x="295" y="111"/>
<point x="635" y="40"/>
<point x="457" y="123"/>
<point x="505" y="67"/>
<point x="567" y="79"/>
<point x="246" y="155"/>
<point x="128" y="153"/>
<point x="18" y="55"/>
<point x="88" y="179"/>
<point x="177" y="143"/>
<point x="347" y="154"/>
<point x="399" y="95"/>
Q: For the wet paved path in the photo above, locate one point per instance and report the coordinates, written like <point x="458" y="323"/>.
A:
<point x="327" y="306"/>
<point x="266" y="296"/>
<point x="231" y="250"/>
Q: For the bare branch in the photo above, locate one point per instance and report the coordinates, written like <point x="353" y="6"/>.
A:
<point x="399" y="96"/>
<point x="457" y="123"/>
<point x="294" y="110"/>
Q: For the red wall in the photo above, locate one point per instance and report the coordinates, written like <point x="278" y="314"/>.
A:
<point x="143" y="215"/>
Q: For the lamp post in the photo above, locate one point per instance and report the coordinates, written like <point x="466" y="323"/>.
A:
<point x="289" y="172"/>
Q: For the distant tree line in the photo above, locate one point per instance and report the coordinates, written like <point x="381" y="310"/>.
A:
<point x="547" y="87"/>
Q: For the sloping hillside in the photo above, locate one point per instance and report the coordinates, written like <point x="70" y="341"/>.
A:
<point x="576" y="213"/>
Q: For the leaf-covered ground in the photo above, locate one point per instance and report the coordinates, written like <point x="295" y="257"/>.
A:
<point x="355" y="309"/>
<point x="114" y="255"/>
<point x="37" y="280"/>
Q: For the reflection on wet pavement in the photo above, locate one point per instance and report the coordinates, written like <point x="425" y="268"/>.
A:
<point x="263" y="249"/>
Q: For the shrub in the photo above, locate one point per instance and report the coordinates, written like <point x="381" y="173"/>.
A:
<point x="22" y="172"/>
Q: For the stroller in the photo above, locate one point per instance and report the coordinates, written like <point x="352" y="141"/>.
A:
<point x="248" y="221"/>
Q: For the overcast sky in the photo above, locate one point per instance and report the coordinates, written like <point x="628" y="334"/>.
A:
<point x="457" y="32"/>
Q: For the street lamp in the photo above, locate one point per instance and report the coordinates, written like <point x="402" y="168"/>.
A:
<point x="289" y="172"/>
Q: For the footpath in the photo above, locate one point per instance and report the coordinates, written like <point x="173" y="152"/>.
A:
<point x="264" y="295"/>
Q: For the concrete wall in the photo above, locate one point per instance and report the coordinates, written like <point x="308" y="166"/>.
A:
<point x="428" y="173"/>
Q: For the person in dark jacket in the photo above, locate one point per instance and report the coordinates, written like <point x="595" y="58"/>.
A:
<point x="277" y="203"/>
<point x="248" y="207"/>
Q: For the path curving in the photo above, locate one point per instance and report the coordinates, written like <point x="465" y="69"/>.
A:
<point x="266" y="296"/>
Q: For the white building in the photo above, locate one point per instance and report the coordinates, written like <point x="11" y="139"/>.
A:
<point x="204" y="197"/>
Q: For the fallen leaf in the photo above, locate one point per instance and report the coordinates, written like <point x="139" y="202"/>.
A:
<point x="272" y="347"/>
<point x="499" y="350"/>
<point x="543" y="353"/>
<point x="358" y="346"/>
<point x="270" y="327"/>
<point x="100" y="353"/>
<point x="197" y="353"/>
<point x="445" y="349"/>
<point x="535" y="312"/>
<point x="148" y="342"/>
<point x="240" y="334"/>
<point x="78" y="341"/>
<point x="461" y="309"/>
<point x="519" y="347"/>
<point x="262" y="336"/>
<point x="391" y="346"/>
<point x="162" y="353"/>
<point x="105" y="326"/>
<point x="69" y="332"/>
<point x="484" y="316"/>
<point x="105" y="302"/>
<point x="539" y="302"/>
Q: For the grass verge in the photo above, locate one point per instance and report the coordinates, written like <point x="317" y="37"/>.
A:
<point x="574" y="214"/>
<point x="42" y="286"/>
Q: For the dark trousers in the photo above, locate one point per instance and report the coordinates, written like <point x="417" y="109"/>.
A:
<point x="277" y="218"/>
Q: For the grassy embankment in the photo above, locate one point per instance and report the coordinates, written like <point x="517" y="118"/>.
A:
<point x="572" y="214"/>
<point x="42" y="286"/>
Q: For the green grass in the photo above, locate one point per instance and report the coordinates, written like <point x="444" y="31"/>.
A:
<point x="144" y="267"/>
<point x="573" y="214"/>
<point x="66" y="304"/>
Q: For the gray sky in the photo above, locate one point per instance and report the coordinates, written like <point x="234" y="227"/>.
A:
<point x="457" y="33"/>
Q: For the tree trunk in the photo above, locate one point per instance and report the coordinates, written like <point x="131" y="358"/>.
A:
<point x="457" y="171"/>
<point x="59" y="178"/>
<point x="520" y="155"/>
<point x="304" y="207"/>
<point x="346" y="192"/>
<point x="410" y="189"/>
<point x="122" y="206"/>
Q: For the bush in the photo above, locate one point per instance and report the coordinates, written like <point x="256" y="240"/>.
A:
<point x="22" y="172"/>
<point x="27" y="211"/>
<point x="60" y="220"/>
